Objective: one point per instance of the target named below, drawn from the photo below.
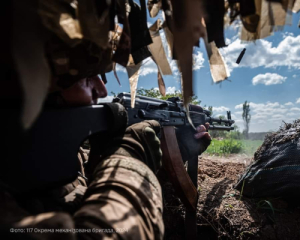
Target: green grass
(250, 146)
(231, 146)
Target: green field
(231, 146)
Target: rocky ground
(223, 213)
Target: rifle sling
(173, 164)
(180, 179)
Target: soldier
(123, 199)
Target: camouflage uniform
(123, 201)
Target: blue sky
(268, 77)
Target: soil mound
(224, 214)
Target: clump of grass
(232, 146)
(224, 147)
(241, 195)
(265, 204)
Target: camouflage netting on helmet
(276, 168)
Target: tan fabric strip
(296, 7)
(157, 50)
(169, 37)
(218, 67)
(133, 75)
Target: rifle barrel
(219, 120)
(212, 127)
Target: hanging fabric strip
(214, 20)
(289, 13)
(248, 15)
(140, 36)
(121, 55)
(157, 49)
(169, 37)
(114, 36)
(253, 35)
(273, 17)
(187, 28)
(296, 7)
(218, 67)
(154, 7)
(278, 13)
(265, 28)
(161, 83)
(115, 73)
(133, 75)
(140, 54)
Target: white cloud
(120, 68)
(148, 66)
(233, 116)
(294, 76)
(238, 122)
(280, 116)
(289, 104)
(268, 79)
(238, 112)
(171, 90)
(268, 116)
(260, 121)
(286, 34)
(198, 60)
(220, 109)
(260, 106)
(292, 114)
(227, 41)
(235, 26)
(262, 53)
(298, 100)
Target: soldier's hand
(192, 144)
(202, 132)
(146, 134)
(140, 141)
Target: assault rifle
(170, 112)
(48, 155)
